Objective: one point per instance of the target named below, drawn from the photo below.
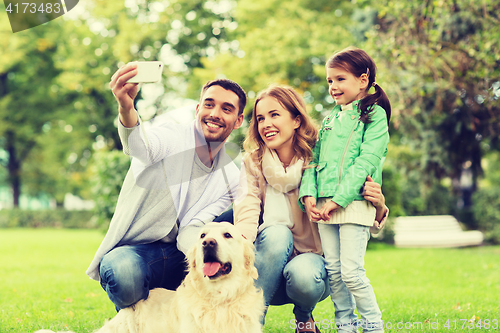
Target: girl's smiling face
(276, 124)
(344, 87)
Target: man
(180, 178)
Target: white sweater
(154, 195)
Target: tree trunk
(14, 168)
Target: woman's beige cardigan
(250, 202)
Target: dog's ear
(249, 257)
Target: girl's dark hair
(358, 62)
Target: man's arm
(188, 235)
(148, 146)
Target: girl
(288, 250)
(352, 146)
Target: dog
(217, 295)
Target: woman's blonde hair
(305, 135)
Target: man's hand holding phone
(147, 72)
(124, 85)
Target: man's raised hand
(125, 93)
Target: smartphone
(147, 71)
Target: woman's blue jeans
(301, 281)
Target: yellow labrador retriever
(218, 294)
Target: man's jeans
(302, 281)
(129, 272)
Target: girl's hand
(311, 210)
(373, 193)
(328, 209)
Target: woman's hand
(373, 193)
(312, 212)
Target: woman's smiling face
(275, 123)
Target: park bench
(433, 231)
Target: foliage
(406, 191)
(55, 103)
(486, 207)
(491, 166)
(180, 33)
(26, 100)
(108, 172)
(391, 187)
(53, 218)
(437, 60)
(47, 113)
(443, 57)
(486, 211)
(284, 42)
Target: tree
(283, 42)
(55, 102)
(444, 60)
(54, 106)
(26, 99)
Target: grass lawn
(43, 285)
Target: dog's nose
(209, 242)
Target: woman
(288, 248)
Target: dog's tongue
(211, 268)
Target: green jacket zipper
(345, 150)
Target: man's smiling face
(217, 113)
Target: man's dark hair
(228, 85)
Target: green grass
(43, 282)
(427, 286)
(43, 285)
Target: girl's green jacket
(346, 152)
